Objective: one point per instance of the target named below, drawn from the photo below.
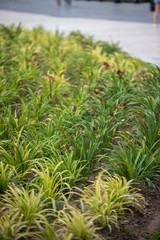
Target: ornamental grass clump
(8, 175)
(76, 224)
(13, 227)
(46, 231)
(108, 199)
(51, 183)
(27, 203)
(19, 154)
(132, 159)
(73, 170)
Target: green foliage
(12, 227)
(7, 176)
(72, 169)
(76, 225)
(47, 232)
(109, 198)
(134, 160)
(51, 182)
(19, 154)
(28, 204)
(69, 105)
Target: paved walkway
(127, 23)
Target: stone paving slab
(126, 23)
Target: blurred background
(127, 22)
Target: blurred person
(156, 12)
(67, 1)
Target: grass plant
(28, 204)
(47, 232)
(52, 183)
(76, 225)
(135, 160)
(109, 198)
(12, 227)
(8, 175)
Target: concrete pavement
(127, 23)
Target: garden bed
(79, 139)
